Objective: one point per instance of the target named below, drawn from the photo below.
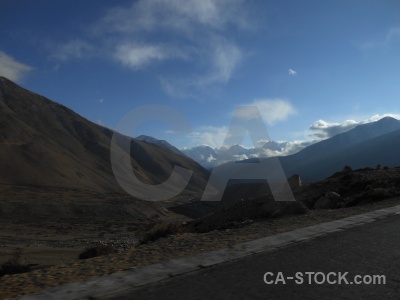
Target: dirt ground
(53, 247)
(49, 226)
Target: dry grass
(15, 265)
(171, 247)
(96, 251)
(162, 230)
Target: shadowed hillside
(364, 146)
(43, 143)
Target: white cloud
(377, 117)
(225, 154)
(210, 158)
(198, 34)
(12, 69)
(293, 147)
(226, 57)
(212, 136)
(183, 16)
(386, 40)
(260, 143)
(237, 157)
(71, 50)
(221, 59)
(392, 35)
(138, 56)
(292, 72)
(178, 87)
(272, 110)
(323, 130)
(287, 148)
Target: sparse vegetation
(162, 230)
(15, 265)
(244, 212)
(97, 250)
(347, 169)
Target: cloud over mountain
(322, 129)
(210, 157)
(12, 69)
(214, 154)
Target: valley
(60, 201)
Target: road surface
(368, 250)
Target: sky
(312, 68)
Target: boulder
(329, 201)
(294, 181)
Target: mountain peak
(6, 81)
(146, 138)
(236, 147)
(387, 120)
(160, 143)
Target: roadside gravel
(173, 246)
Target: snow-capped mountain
(204, 155)
(366, 145)
(209, 157)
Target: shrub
(347, 169)
(15, 265)
(97, 250)
(162, 230)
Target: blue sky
(314, 68)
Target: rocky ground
(343, 189)
(51, 226)
(51, 247)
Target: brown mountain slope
(43, 143)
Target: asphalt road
(368, 250)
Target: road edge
(120, 282)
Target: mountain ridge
(211, 157)
(366, 145)
(161, 143)
(47, 144)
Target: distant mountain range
(210, 158)
(366, 145)
(43, 143)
